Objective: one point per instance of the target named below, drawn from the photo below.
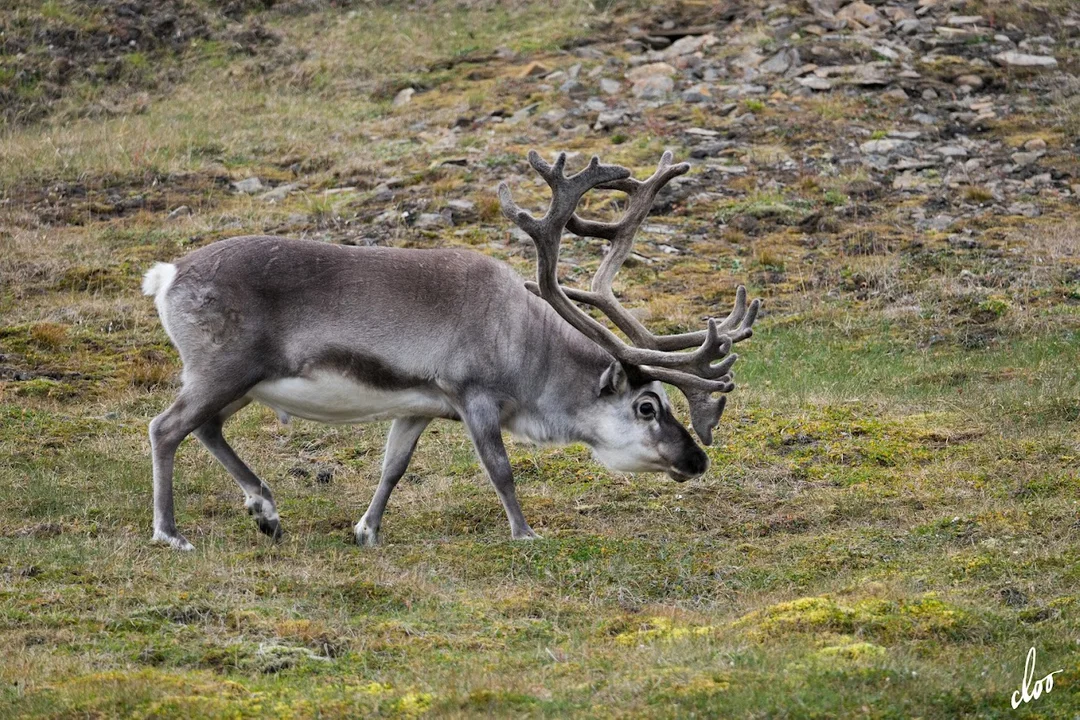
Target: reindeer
(358, 334)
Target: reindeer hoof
(173, 539)
(266, 517)
(366, 536)
(526, 534)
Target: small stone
(279, 193)
(553, 116)
(687, 46)
(248, 186)
(609, 119)
(1030, 210)
(885, 146)
(1011, 58)
(972, 81)
(430, 221)
(1023, 159)
(897, 94)
(533, 69)
(815, 83)
(182, 211)
(659, 69)
(929, 94)
(656, 87)
(779, 63)
(861, 13)
(940, 222)
(609, 86)
(522, 114)
(1035, 145)
(573, 88)
(886, 52)
(924, 119)
(697, 94)
(963, 20)
(908, 26)
(461, 205)
(404, 97)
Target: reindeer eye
(646, 409)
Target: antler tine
(697, 374)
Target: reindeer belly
(334, 398)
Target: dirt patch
(78, 48)
(90, 199)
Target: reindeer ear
(614, 380)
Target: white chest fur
(333, 398)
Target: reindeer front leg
(400, 445)
(481, 417)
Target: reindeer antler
(697, 374)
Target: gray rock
(1011, 58)
(659, 69)
(573, 88)
(697, 94)
(940, 222)
(182, 211)
(781, 62)
(861, 13)
(1026, 209)
(711, 149)
(429, 221)
(553, 116)
(686, 46)
(885, 146)
(815, 83)
(951, 151)
(610, 119)
(972, 81)
(1023, 159)
(461, 205)
(1035, 145)
(522, 114)
(279, 193)
(656, 87)
(248, 186)
(964, 20)
(609, 86)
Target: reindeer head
(656, 441)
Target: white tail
(158, 278)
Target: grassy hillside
(891, 520)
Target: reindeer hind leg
(196, 404)
(259, 501)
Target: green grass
(889, 525)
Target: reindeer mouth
(680, 477)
